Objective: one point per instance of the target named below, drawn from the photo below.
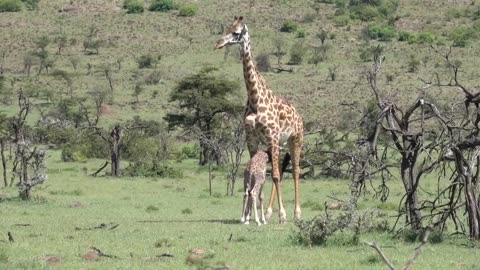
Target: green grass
(183, 216)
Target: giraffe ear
(240, 18)
(235, 18)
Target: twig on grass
(418, 250)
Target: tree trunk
(472, 207)
(409, 179)
(115, 140)
(4, 162)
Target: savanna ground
(173, 216)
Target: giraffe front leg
(270, 203)
(275, 151)
(295, 144)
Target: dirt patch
(52, 260)
(106, 109)
(91, 255)
(409, 24)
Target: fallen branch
(101, 254)
(380, 252)
(100, 169)
(110, 226)
(418, 250)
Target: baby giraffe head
(234, 34)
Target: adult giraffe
(268, 119)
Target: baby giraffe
(254, 178)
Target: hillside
(185, 44)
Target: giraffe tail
(285, 162)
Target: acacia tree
(202, 99)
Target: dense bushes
(187, 10)
(289, 27)
(151, 169)
(381, 32)
(10, 5)
(162, 5)
(133, 6)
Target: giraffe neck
(253, 80)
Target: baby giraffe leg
(263, 220)
(254, 198)
(244, 209)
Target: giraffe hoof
(269, 213)
(297, 214)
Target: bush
(162, 5)
(413, 64)
(296, 54)
(382, 33)
(31, 4)
(460, 36)
(341, 20)
(289, 27)
(10, 5)
(151, 169)
(133, 6)
(309, 17)
(369, 10)
(153, 77)
(301, 33)
(263, 62)
(191, 152)
(73, 153)
(145, 61)
(426, 37)
(405, 36)
(187, 10)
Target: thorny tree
(460, 145)
(406, 128)
(29, 162)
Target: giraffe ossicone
(268, 118)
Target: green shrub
(31, 4)
(289, 26)
(341, 20)
(460, 36)
(151, 169)
(301, 33)
(382, 33)
(134, 6)
(162, 5)
(10, 5)
(426, 37)
(455, 13)
(187, 10)
(190, 151)
(405, 36)
(341, 3)
(73, 153)
(365, 13)
(145, 61)
(297, 52)
(369, 10)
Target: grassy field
(174, 216)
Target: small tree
(279, 49)
(202, 99)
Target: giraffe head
(234, 34)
